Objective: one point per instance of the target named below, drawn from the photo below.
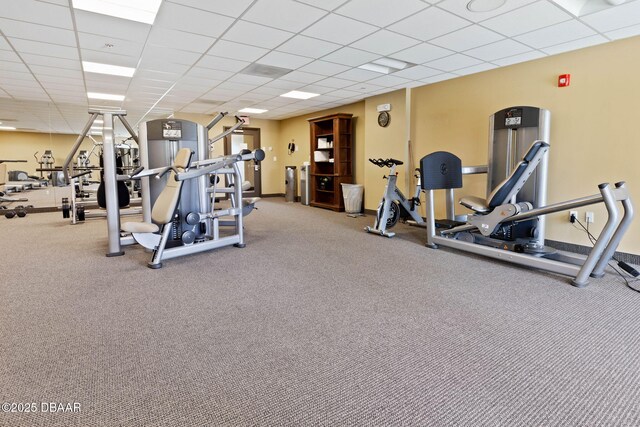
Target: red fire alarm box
(564, 80)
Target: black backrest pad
(440, 170)
(498, 195)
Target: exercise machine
(489, 230)
(195, 230)
(394, 205)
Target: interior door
(246, 138)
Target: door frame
(257, 175)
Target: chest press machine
(203, 225)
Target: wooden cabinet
(331, 159)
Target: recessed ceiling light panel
(252, 111)
(299, 94)
(114, 70)
(106, 96)
(134, 10)
(376, 68)
(7, 128)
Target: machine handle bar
(386, 162)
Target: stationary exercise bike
(394, 205)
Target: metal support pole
(110, 186)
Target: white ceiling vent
(265, 71)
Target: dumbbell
(21, 211)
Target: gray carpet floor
(315, 322)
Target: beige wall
(594, 133)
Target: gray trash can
(352, 194)
(290, 183)
(304, 184)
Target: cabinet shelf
(336, 128)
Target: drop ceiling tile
(416, 73)
(421, 53)
(32, 59)
(284, 60)
(338, 29)
(307, 46)
(324, 4)
(45, 73)
(501, 49)
(574, 45)
(386, 81)
(475, 69)
(99, 43)
(239, 51)
(159, 64)
(440, 77)
(240, 87)
(11, 75)
(156, 75)
(38, 13)
(219, 94)
(283, 14)
(45, 49)
(528, 18)
(222, 64)
(344, 93)
(207, 73)
(623, 33)
(428, 24)
(302, 77)
(252, 97)
(523, 57)
(324, 68)
(104, 25)
(314, 88)
(459, 7)
(335, 82)
(380, 12)
(556, 34)
(174, 16)
(271, 91)
(614, 18)
(453, 62)
(36, 32)
(350, 56)
(467, 38)
(358, 75)
(249, 79)
(179, 40)
(13, 66)
(8, 55)
(109, 58)
(284, 84)
(170, 56)
(384, 42)
(256, 35)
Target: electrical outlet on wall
(589, 217)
